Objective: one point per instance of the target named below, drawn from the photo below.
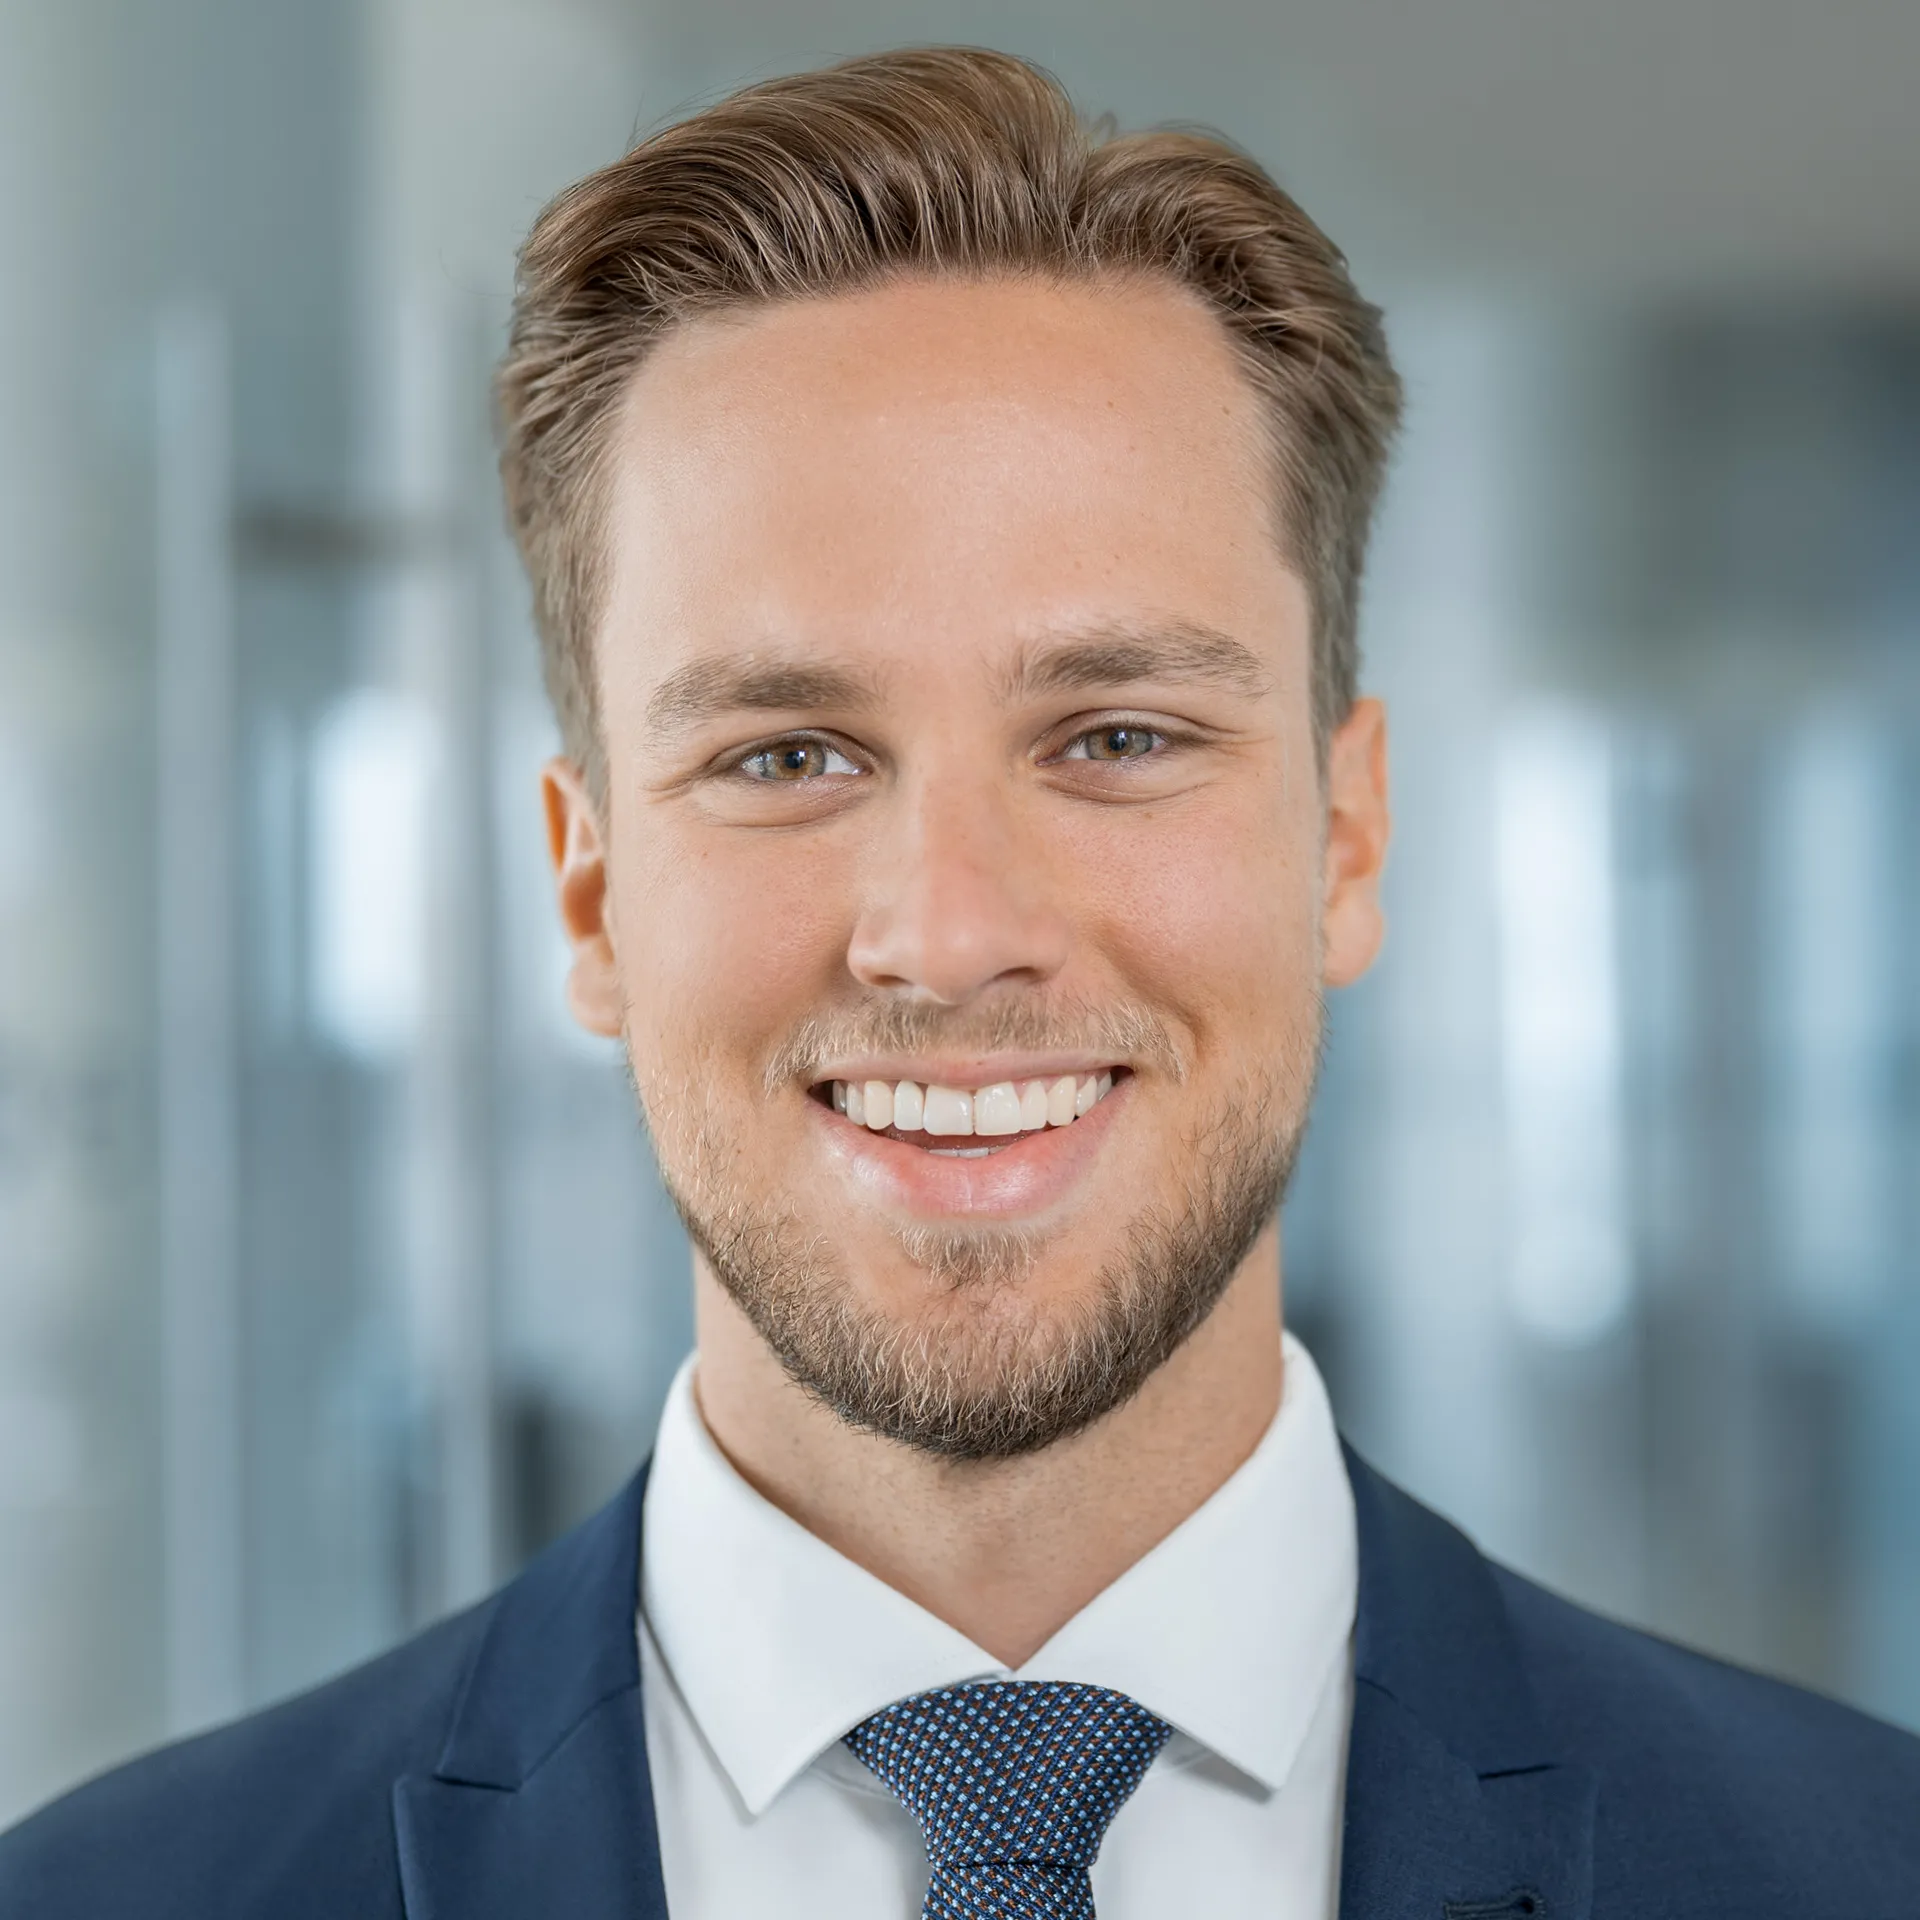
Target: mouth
(965, 1147)
(969, 1123)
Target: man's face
(955, 694)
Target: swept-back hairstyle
(934, 162)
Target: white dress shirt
(760, 1646)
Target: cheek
(1211, 911)
(723, 942)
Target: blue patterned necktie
(1013, 1783)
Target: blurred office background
(334, 1276)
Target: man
(946, 526)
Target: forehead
(935, 473)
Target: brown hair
(940, 161)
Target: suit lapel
(1457, 1806)
(540, 1802)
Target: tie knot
(1011, 1770)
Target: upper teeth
(1007, 1106)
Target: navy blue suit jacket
(1511, 1755)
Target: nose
(959, 900)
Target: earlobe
(577, 846)
(1359, 824)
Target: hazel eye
(791, 762)
(1115, 743)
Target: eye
(791, 762)
(1115, 743)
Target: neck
(1005, 1551)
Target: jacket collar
(1458, 1806)
(540, 1801)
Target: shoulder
(286, 1813)
(1709, 1790)
(1706, 1769)
(289, 1815)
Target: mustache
(1123, 1030)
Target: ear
(577, 847)
(1358, 825)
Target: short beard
(982, 1377)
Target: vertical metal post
(198, 1008)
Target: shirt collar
(1227, 1629)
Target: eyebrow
(707, 689)
(1180, 652)
(1183, 652)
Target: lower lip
(1029, 1174)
